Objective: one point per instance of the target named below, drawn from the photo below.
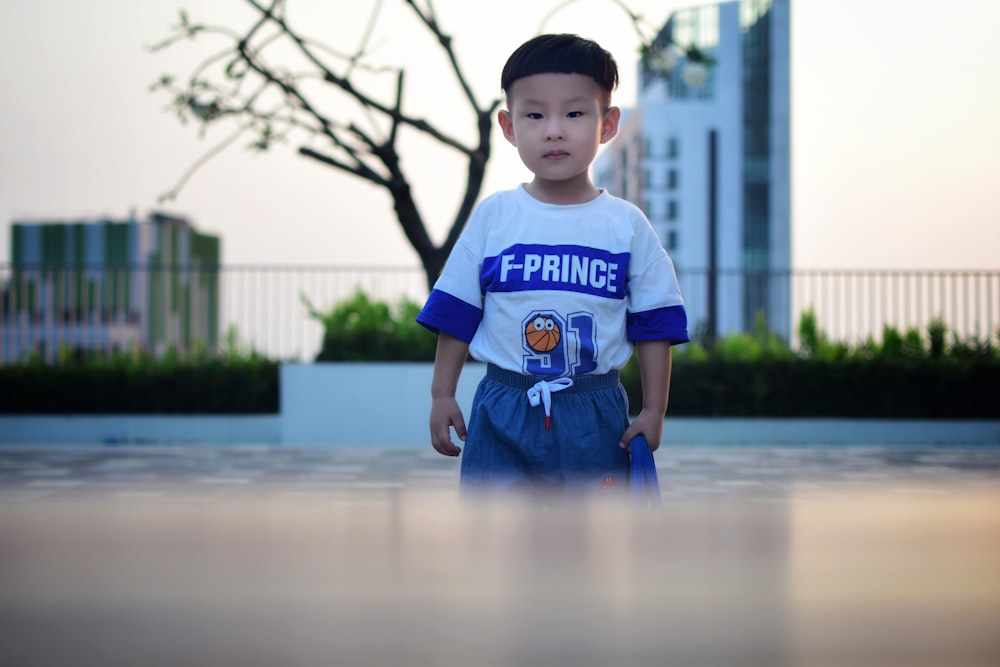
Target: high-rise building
(709, 162)
(105, 286)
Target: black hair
(561, 54)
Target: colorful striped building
(109, 285)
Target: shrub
(359, 329)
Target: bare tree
(251, 83)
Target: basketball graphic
(542, 333)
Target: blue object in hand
(643, 480)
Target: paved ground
(757, 474)
(249, 556)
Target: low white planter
(363, 404)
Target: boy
(551, 283)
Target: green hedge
(904, 375)
(756, 374)
(769, 388)
(207, 387)
(897, 389)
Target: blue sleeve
(444, 312)
(669, 324)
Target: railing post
(713, 239)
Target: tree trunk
(433, 265)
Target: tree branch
(240, 82)
(344, 83)
(445, 42)
(358, 169)
(171, 194)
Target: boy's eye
(574, 114)
(534, 115)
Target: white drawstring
(542, 392)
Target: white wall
(363, 404)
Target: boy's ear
(609, 125)
(507, 125)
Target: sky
(895, 126)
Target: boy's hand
(446, 414)
(649, 424)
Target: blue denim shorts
(508, 445)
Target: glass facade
(755, 22)
(698, 27)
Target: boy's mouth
(556, 155)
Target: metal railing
(46, 309)
(850, 305)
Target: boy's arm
(654, 367)
(445, 412)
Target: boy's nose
(554, 130)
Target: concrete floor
(211, 555)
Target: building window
(672, 147)
(672, 179)
(671, 240)
(672, 209)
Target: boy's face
(557, 122)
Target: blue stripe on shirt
(444, 312)
(569, 268)
(668, 324)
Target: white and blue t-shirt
(556, 290)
